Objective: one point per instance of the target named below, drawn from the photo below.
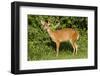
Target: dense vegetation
(40, 45)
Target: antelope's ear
(42, 22)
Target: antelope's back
(66, 34)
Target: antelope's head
(45, 24)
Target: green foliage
(40, 46)
(65, 21)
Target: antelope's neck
(50, 32)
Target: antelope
(62, 35)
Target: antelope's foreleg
(57, 47)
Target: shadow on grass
(66, 46)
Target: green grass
(40, 47)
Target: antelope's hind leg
(76, 46)
(73, 45)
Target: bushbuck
(62, 35)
